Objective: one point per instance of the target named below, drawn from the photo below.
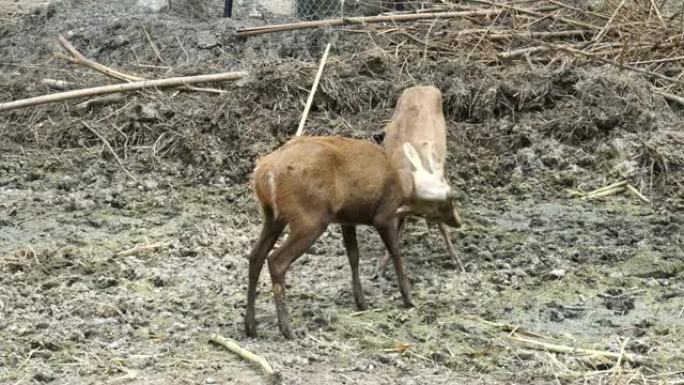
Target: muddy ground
(603, 274)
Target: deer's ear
(413, 157)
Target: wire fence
(324, 9)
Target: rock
(153, 6)
(66, 183)
(149, 112)
(206, 39)
(556, 274)
(626, 168)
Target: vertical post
(228, 8)
(300, 129)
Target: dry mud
(604, 274)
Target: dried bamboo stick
(636, 193)
(245, 354)
(362, 20)
(539, 14)
(80, 59)
(309, 100)
(160, 83)
(556, 348)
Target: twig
(113, 98)
(539, 14)
(528, 50)
(670, 97)
(636, 193)
(154, 46)
(361, 312)
(160, 83)
(362, 20)
(79, 58)
(556, 348)
(60, 85)
(111, 150)
(309, 101)
(247, 355)
(611, 62)
(142, 249)
(599, 36)
(609, 187)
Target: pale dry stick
(361, 312)
(114, 88)
(142, 249)
(609, 187)
(657, 11)
(670, 97)
(663, 60)
(361, 20)
(611, 62)
(604, 193)
(566, 6)
(309, 101)
(106, 99)
(80, 59)
(247, 355)
(528, 50)
(539, 14)
(506, 327)
(636, 193)
(154, 46)
(128, 376)
(187, 57)
(617, 369)
(61, 85)
(564, 349)
(599, 36)
(111, 150)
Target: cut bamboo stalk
(604, 193)
(309, 100)
(611, 186)
(246, 355)
(134, 86)
(362, 20)
(555, 348)
(636, 193)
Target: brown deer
(418, 120)
(310, 182)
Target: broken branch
(555, 348)
(160, 83)
(247, 355)
(362, 20)
(309, 101)
(79, 58)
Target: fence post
(228, 8)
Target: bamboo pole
(231, 345)
(309, 101)
(160, 83)
(362, 20)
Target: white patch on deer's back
(271, 181)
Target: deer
(312, 181)
(418, 120)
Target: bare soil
(603, 274)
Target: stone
(206, 39)
(153, 6)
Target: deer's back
(345, 179)
(418, 119)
